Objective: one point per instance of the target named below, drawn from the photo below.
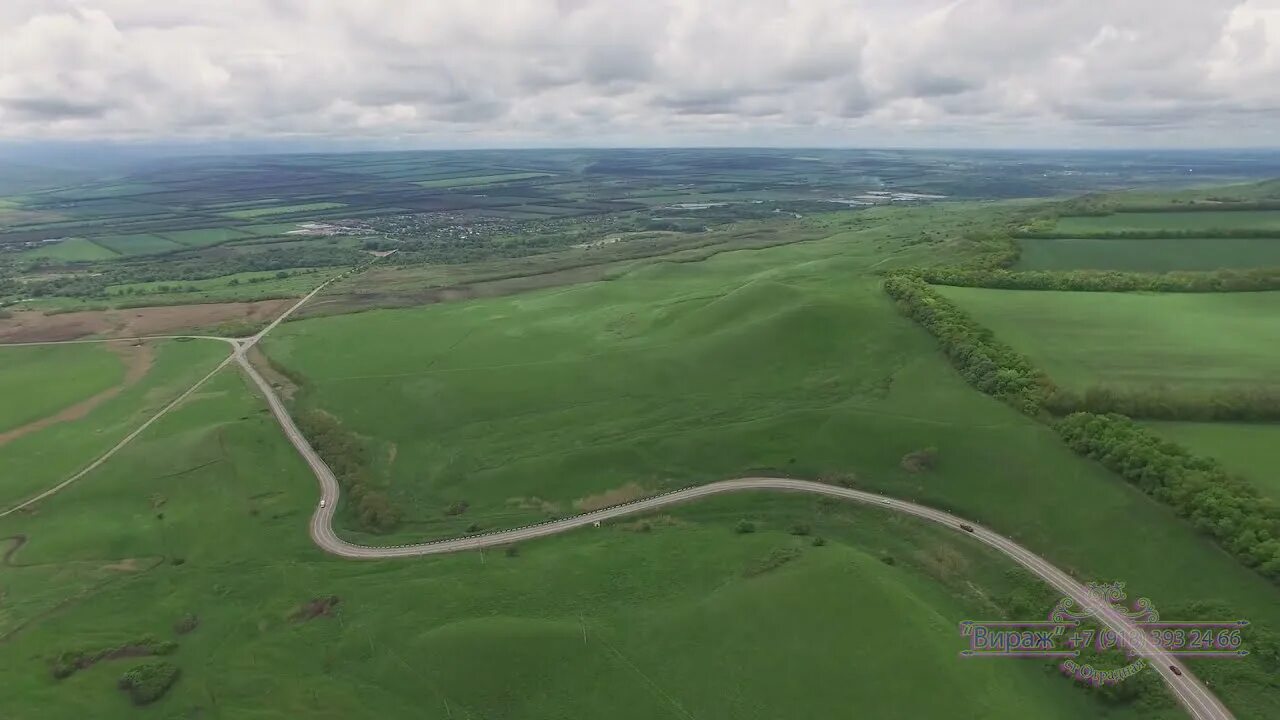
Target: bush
(744, 527)
(920, 460)
(67, 663)
(186, 624)
(149, 682)
(800, 529)
(818, 541)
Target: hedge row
(348, 458)
(1105, 280)
(1255, 405)
(984, 362)
(1232, 511)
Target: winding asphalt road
(1189, 691)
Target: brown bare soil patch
(319, 607)
(125, 565)
(284, 387)
(33, 326)
(137, 361)
(609, 498)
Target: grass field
(253, 213)
(41, 459)
(205, 236)
(71, 250)
(81, 370)
(686, 620)
(1252, 451)
(1162, 255)
(475, 180)
(137, 244)
(1182, 341)
(679, 373)
(1181, 221)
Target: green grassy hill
(206, 516)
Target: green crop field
(1183, 341)
(605, 622)
(252, 213)
(205, 236)
(81, 370)
(1180, 221)
(71, 250)
(137, 244)
(39, 460)
(1145, 255)
(1249, 450)
(474, 180)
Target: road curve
(1189, 691)
(239, 347)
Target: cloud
(456, 72)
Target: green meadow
(81, 371)
(1148, 255)
(205, 516)
(71, 250)
(786, 361)
(1182, 341)
(38, 460)
(137, 244)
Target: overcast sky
(468, 73)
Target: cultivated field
(1179, 221)
(1178, 341)
(1148, 255)
(1252, 451)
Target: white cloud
(850, 72)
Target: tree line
(1249, 405)
(1242, 521)
(1104, 280)
(984, 362)
(348, 458)
(1040, 232)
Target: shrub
(149, 682)
(744, 527)
(186, 624)
(800, 529)
(818, 541)
(920, 460)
